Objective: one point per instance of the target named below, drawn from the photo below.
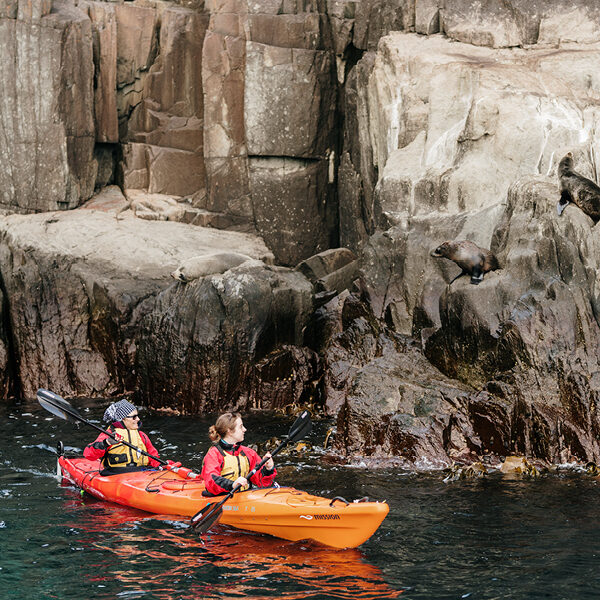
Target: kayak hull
(283, 512)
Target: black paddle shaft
(204, 519)
(62, 405)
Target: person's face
(132, 421)
(236, 434)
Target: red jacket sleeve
(261, 478)
(150, 449)
(211, 472)
(92, 452)
(213, 465)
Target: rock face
(162, 123)
(521, 23)
(270, 108)
(344, 138)
(7, 366)
(523, 344)
(198, 344)
(449, 137)
(80, 283)
(46, 100)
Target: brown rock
(376, 18)
(339, 280)
(136, 47)
(288, 199)
(104, 23)
(172, 171)
(287, 31)
(324, 263)
(46, 152)
(289, 101)
(170, 116)
(228, 187)
(81, 282)
(357, 176)
(199, 343)
(8, 9)
(427, 16)
(32, 11)
(521, 22)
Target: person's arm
(150, 449)
(263, 478)
(97, 449)
(211, 473)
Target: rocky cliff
(135, 136)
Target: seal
(577, 189)
(472, 259)
(208, 264)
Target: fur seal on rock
(208, 264)
(472, 259)
(577, 189)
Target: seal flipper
(565, 198)
(459, 275)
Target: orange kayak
(283, 512)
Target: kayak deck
(283, 512)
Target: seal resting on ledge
(577, 189)
(208, 264)
(472, 259)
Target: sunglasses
(133, 417)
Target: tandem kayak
(283, 512)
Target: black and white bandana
(118, 411)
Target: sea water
(489, 538)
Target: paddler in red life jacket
(116, 457)
(227, 463)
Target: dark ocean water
(490, 538)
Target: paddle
(61, 408)
(204, 519)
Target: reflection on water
(225, 563)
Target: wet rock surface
(523, 344)
(80, 283)
(221, 340)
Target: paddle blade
(301, 427)
(203, 520)
(57, 406)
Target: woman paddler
(116, 457)
(228, 463)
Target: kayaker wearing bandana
(116, 457)
(227, 463)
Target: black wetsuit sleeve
(223, 482)
(98, 445)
